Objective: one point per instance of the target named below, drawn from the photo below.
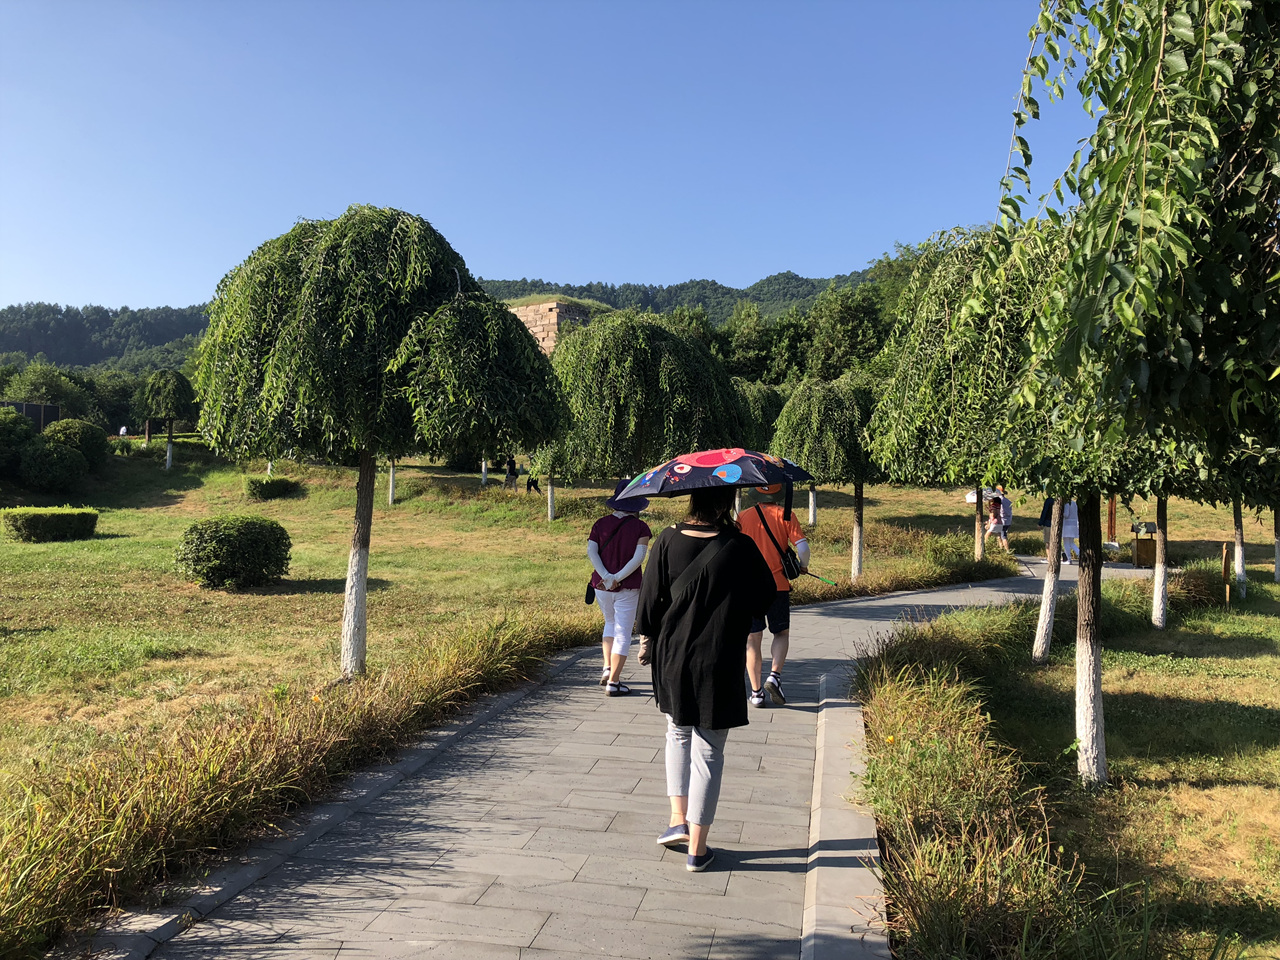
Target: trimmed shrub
(16, 431)
(124, 446)
(234, 551)
(48, 524)
(270, 488)
(51, 466)
(91, 441)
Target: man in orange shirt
(759, 523)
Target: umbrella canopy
(728, 467)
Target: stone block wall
(546, 320)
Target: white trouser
(619, 611)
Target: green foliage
(45, 383)
(475, 378)
(83, 336)
(16, 430)
(890, 275)
(168, 395)
(847, 330)
(639, 392)
(234, 551)
(113, 393)
(792, 333)
(821, 428)
(91, 441)
(760, 404)
(745, 342)
(298, 357)
(1164, 315)
(48, 524)
(51, 466)
(595, 307)
(271, 488)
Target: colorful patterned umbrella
(729, 467)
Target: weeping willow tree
(168, 395)
(638, 392)
(361, 338)
(760, 404)
(822, 427)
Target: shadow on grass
(318, 585)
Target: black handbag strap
(772, 539)
(700, 562)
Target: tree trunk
(1160, 579)
(168, 450)
(353, 608)
(270, 467)
(551, 498)
(1049, 595)
(855, 566)
(146, 439)
(979, 529)
(484, 473)
(737, 502)
(391, 484)
(1275, 520)
(1091, 760)
(1237, 514)
(813, 505)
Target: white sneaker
(757, 698)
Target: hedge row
(47, 524)
(270, 488)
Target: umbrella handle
(823, 579)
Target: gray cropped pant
(695, 765)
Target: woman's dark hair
(713, 505)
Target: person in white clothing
(616, 548)
(1070, 531)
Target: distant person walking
(1006, 515)
(1046, 520)
(995, 521)
(509, 481)
(616, 548)
(705, 583)
(773, 535)
(1070, 531)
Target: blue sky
(147, 148)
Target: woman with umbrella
(705, 582)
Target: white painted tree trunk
(1275, 513)
(813, 506)
(271, 468)
(1160, 579)
(484, 473)
(1237, 514)
(354, 635)
(168, 450)
(855, 560)
(979, 529)
(1091, 758)
(551, 498)
(737, 503)
(391, 484)
(1049, 595)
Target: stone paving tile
(588, 900)
(459, 921)
(414, 949)
(651, 824)
(628, 938)
(776, 917)
(649, 873)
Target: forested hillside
(151, 337)
(773, 295)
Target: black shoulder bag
(790, 562)
(590, 597)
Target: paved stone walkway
(532, 835)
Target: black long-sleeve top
(698, 641)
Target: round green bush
(48, 524)
(16, 431)
(91, 441)
(234, 551)
(270, 488)
(51, 466)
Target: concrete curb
(844, 912)
(135, 935)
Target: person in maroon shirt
(616, 548)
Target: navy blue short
(778, 614)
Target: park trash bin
(1144, 544)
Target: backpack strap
(700, 562)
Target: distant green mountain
(774, 295)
